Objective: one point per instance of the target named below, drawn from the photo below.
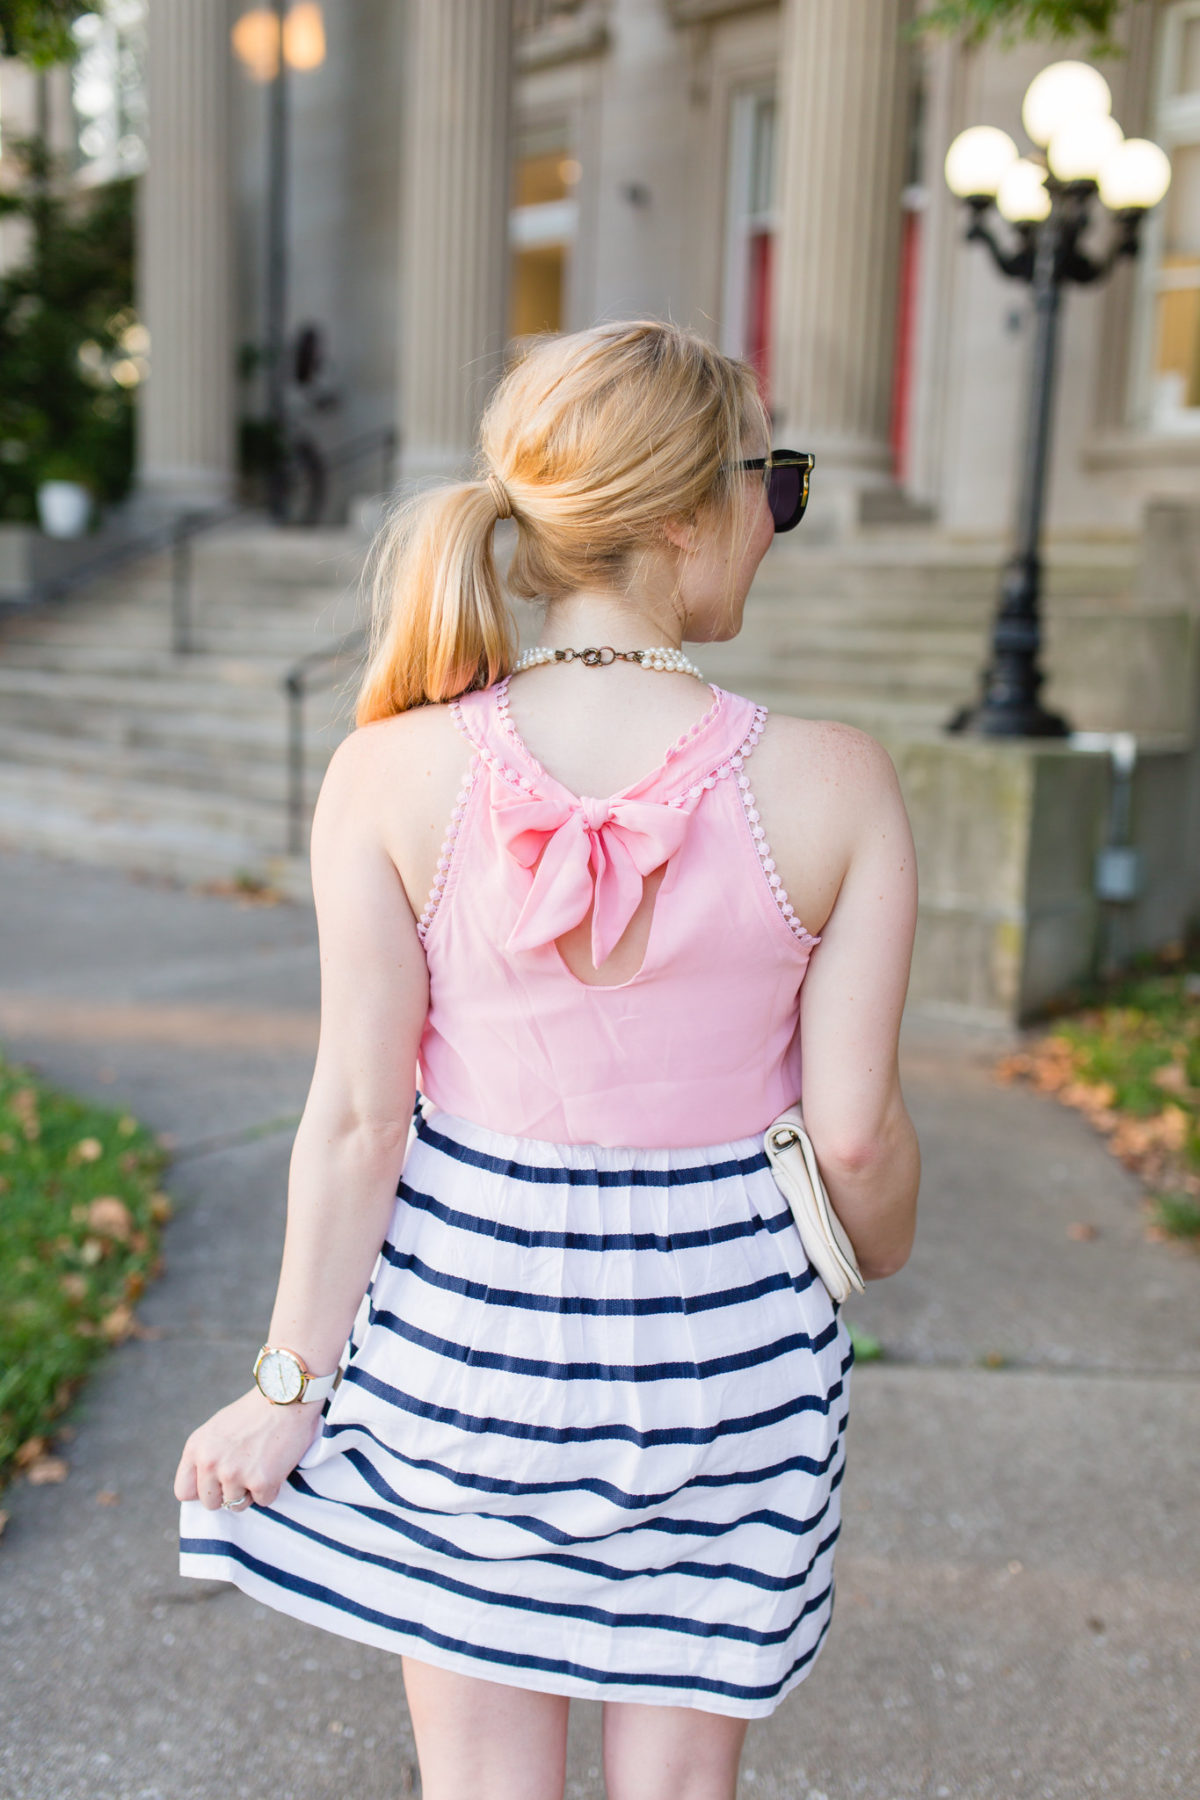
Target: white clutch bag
(794, 1165)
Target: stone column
(186, 409)
(844, 95)
(454, 228)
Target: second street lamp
(1047, 199)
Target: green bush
(72, 349)
(80, 1219)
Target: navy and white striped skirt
(589, 1437)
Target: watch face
(280, 1377)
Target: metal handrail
(175, 534)
(312, 671)
(316, 668)
(172, 535)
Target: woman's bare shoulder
(820, 785)
(828, 753)
(417, 743)
(400, 776)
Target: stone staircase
(113, 750)
(892, 634)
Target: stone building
(462, 172)
(767, 170)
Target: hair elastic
(500, 495)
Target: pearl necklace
(599, 656)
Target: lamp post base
(988, 719)
(1009, 704)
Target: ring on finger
(238, 1505)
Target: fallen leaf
(1081, 1231)
(1154, 1234)
(3, 1522)
(24, 1104)
(107, 1497)
(109, 1216)
(1172, 1076)
(1089, 1096)
(29, 1451)
(1173, 1124)
(160, 1208)
(117, 1324)
(45, 1470)
(147, 1333)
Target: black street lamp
(1047, 198)
(271, 41)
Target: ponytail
(590, 441)
(440, 624)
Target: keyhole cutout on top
(627, 958)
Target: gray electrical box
(1118, 872)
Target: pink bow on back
(590, 850)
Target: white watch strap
(318, 1388)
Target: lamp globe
(1135, 177)
(1061, 92)
(1023, 198)
(976, 161)
(1079, 149)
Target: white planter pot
(64, 508)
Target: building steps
(115, 750)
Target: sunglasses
(787, 473)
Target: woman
(589, 1435)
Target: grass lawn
(1127, 1053)
(80, 1214)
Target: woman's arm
(350, 1143)
(850, 1010)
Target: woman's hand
(245, 1452)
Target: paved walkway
(1019, 1572)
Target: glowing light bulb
(1060, 93)
(1079, 150)
(976, 161)
(1137, 174)
(1022, 198)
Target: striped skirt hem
(590, 1434)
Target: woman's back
(700, 1036)
(725, 964)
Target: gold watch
(282, 1377)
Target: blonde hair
(591, 441)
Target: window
(108, 91)
(543, 224)
(750, 232)
(1171, 307)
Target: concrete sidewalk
(1018, 1609)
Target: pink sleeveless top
(701, 1045)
